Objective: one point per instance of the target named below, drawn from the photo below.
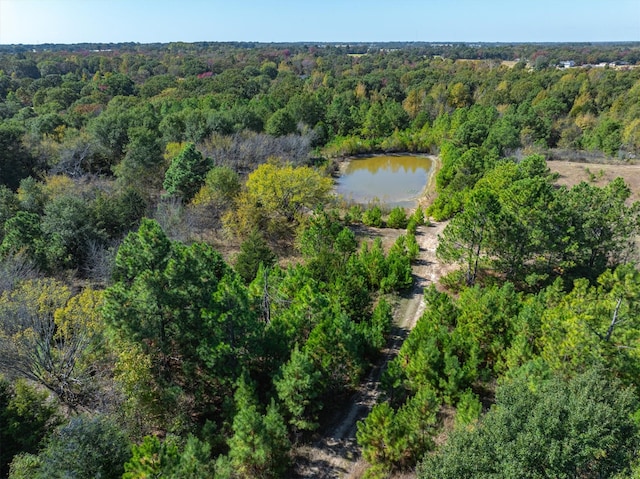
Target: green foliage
(22, 233)
(115, 215)
(31, 195)
(412, 226)
(205, 317)
(182, 327)
(418, 216)
(187, 173)
(275, 198)
(49, 337)
(372, 217)
(221, 186)
(119, 84)
(354, 215)
(377, 329)
(259, 445)
(336, 346)
(373, 261)
(147, 249)
(152, 458)
(15, 162)
(603, 226)
(352, 290)
(298, 386)
(326, 245)
(57, 227)
(280, 123)
(594, 325)
(517, 223)
(292, 303)
(468, 409)
(607, 136)
(67, 232)
(456, 344)
(467, 235)
(8, 205)
(25, 466)
(392, 440)
(413, 249)
(254, 251)
(26, 418)
(86, 447)
(376, 435)
(398, 267)
(284, 191)
(195, 460)
(397, 218)
(143, 164)
(462, 167)
(155, 458)
(579, 428)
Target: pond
(394, 180)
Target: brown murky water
(394, 180)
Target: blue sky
(146, 21)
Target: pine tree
(253, 251)
(186, 174)
(259, 445)
(298, 388)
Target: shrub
(413, 249)
(86, 447)
(397, 218)
(412, 226)
(373, 217)
(418, 216)
(354, 215)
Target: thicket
(125, 173)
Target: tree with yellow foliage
(275, 198)
(47, 335)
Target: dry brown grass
(572, 173)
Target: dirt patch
(571, 173)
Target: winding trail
(336, 454)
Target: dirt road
(336, 454)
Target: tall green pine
(259, 445)
(298, 388)
(186, 173)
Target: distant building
(567, 64)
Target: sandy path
(336, 454)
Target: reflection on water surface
(393, 179)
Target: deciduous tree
(47, 335)
(277, 196)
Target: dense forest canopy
(177, 280)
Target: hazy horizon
(36, 22)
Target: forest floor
(336, 454)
